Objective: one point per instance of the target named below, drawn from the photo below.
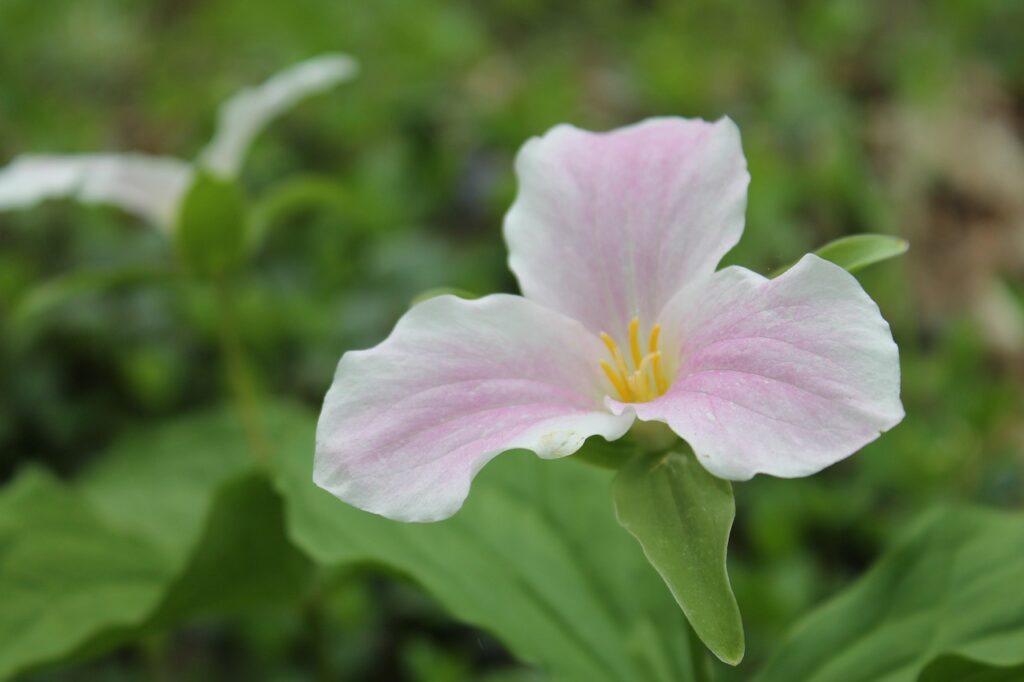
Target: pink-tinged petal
(406, 425)
(150, 187)
(246, 114)
(608, 226)
(782, 376)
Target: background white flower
(152, 187)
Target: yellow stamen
(652, 345)
(610, 342)
(643, 379)
(620, 386)
(659, 378)
(613, 348)
(634, 387)
(642, 392)
(634, 343)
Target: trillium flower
(153, 187)
(615, 238)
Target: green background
(904, 118)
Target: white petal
(783, 376)
(243, 116)
(148, 186)
(608, 226)
(406, 425)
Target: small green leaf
(300, 194)
(858, 251)
(211, 228)
(444, 291)
(952, 586)
(682, 515)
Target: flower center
(641, 376)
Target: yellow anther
(643, 379)
(652, 345)
(610, 342)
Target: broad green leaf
(243, 559)
(171, 521)
(682, 515)
(159, 483)
(211, 226)
(858, 251)
(192, 488)
(952, 586)
(65, 573)
(514, 675)
(960, 669)
(535, 557)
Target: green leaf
(952, 586)
(858, 251)
(535, 557)
(172, 521)
(65, 573)
(192, 488)
(299, 194)
(159, 483)
(211, 227)
(244, 558)
(960, 669)
(601, 453)
(67, 287)
(443, 291)
(682, 515)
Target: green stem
(239, 375)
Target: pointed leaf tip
(857, 252)
(682, 515)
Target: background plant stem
(239, 374)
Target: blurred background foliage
(898, 117)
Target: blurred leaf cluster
(178, 522)
(896, 117)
